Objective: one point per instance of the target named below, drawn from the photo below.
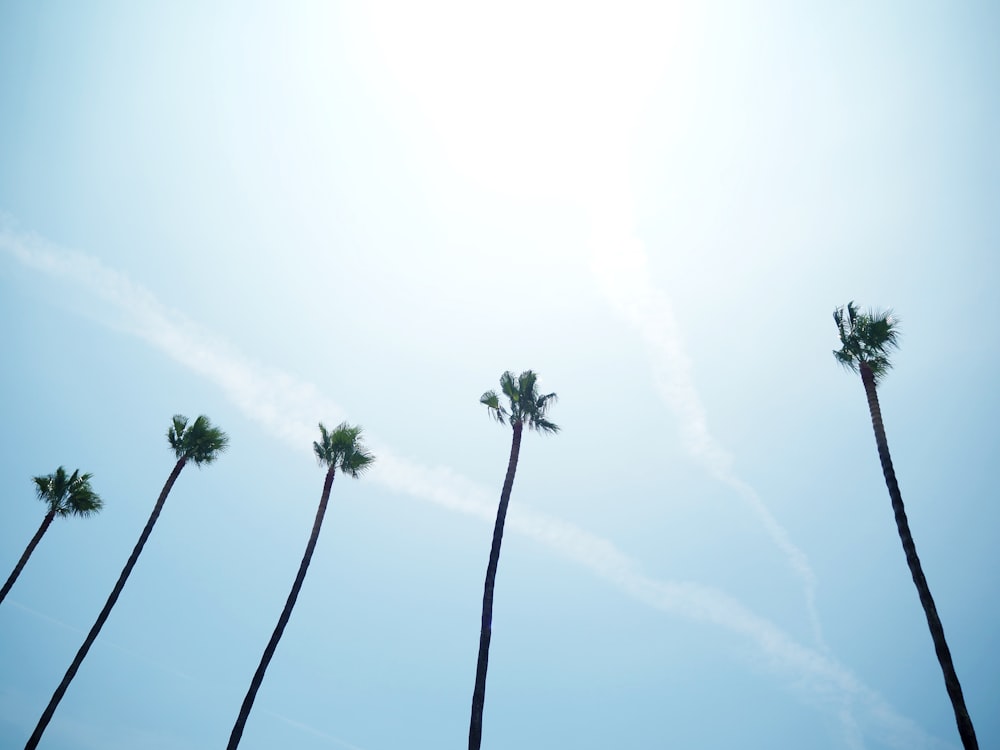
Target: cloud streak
(288, 408)
(620, 265)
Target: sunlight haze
(280, 215)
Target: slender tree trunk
(108, 606)
(479, 692)
(27, 553)
(951, 682)
(286, 613)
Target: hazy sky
(280, 214)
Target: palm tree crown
(200, 442)
(63, 496)
(68, 495)
(527, 406)
(342, 449)
(866, 339)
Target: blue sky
(281, 215)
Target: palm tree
(64, 496)
(866, 341)
(200, 443)
(527, 407)
(341, 449)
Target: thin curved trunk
(108, 606)
(286, 613)
(951, 682)
(479, 692)
(27, 553)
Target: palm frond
(204, 442)
(199, 441)
(357, 462)
(496, 409)
(852, 313)
(322, 448)
(51, 488)
(508, 386)
(540, 424)
(175, 434)
(70, 495)
(866, 339)
(345, 438)
(543, 402)
(82, 500)
(527, 406)
(342, 449)
(847, 360)
(879, 366)
(45, 485)
(526, 383)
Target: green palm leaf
(200, 442)
(68, 495)
(63, 496)
(343, 449)
(866, 339)
(526, 405)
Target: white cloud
(620, 265)
(288, 408)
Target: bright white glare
(536, 99)
(541, 100)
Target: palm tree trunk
(27, 553)
(486, 629)
(951, 682)
(286, 613)
(103, 616)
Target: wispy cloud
(289, 409)
(620, 264)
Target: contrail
(573, 147)
(620, 264)
(289, 409)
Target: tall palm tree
(866, 340)
(65, 496)
(526, 407)
(341, 449)
(199, 443)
